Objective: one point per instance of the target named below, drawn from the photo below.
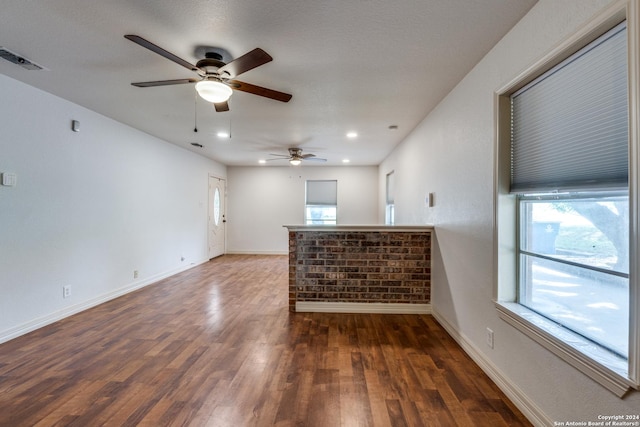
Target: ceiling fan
(216, 78)
(296, 157)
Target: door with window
(217, 219)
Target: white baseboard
(257, 252)
(350, 307)
(40, 322)
(530, 410)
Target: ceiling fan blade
(221, 106)
(246, 62)
(258, 90)
(315, 159)
(160, 51)
(284, 156)
(164, 82)
(307, 156)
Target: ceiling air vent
(18, 60)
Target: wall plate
(9, 179)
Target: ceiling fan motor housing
(211, 65)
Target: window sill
(604, 367)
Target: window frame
(322, 204)
(524, 249)
(389, 212)
(617, 375)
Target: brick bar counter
(360, 268)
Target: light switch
(9, 179)
(430, 199)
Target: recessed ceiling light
(352, 135)
(223, 134)
(345, 160)
(262, 161)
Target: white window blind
(323, 192)
(390, 188)
(569, 127)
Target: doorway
(217, 217)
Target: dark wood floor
(216, 346)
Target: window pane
(216, 206)
(390, 215)
(591, 231)
(591, 303)
(574, 264)
(320, 214)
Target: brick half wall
(359, 267)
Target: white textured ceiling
(351, 65)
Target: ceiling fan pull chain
(195, 113)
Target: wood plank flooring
(217, 346)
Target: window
(562, 181)
(321, 202)
(389, 215)
(569, 141)
(574, 264)
(216, 206)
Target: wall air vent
(18, 60)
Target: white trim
(359, 307)
(373, 227)
(530, 410)
(40, 322)
(210, 214)
(603, 367)
(633, 32)
(607, 19)
(257, 252)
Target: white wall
(451, 154)
(89, 208)
(262, 199)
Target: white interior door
(217, 221)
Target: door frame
(210, 214)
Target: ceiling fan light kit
(295, 162)
(213, 91)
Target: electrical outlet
(489, 338)
(66, 291)
(135, 274)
